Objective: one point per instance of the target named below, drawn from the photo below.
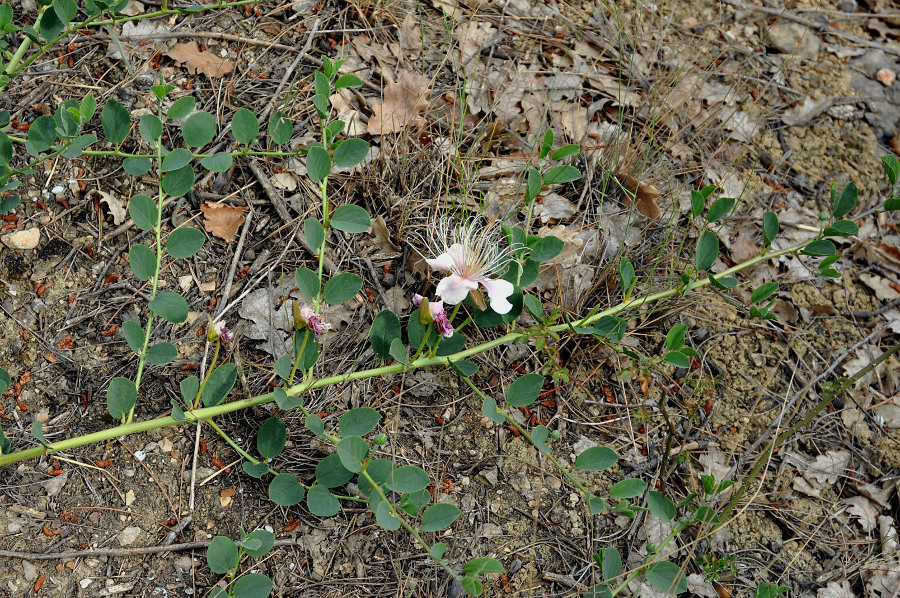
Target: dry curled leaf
(383, 235)
(644, 194)
(222, 220)
(195, 61)
(402, 103)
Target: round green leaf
(143, 212)
(116, 122)
(351, 152)
(465, 368)
(667, 577)
(561, 174)
(409, 478)
(255, 470)
(596, 505)
(286, 490)
(5, 380)
(439, 516)
(353, 450)
(675, 337)
(314, 233)
(199, 129)
(707, 250)
(161, 353)
(318, 163)
(120, 397)
(822, 247)
(218, 162)
(628, 488)
(280, 128)
(142, 261)
(252, 585)
(176, 159)
(342, 288)
(222, 555)
(359, 421)
(490, 410)
(321, 502)
(134, 335)
(219, 384)
(483, 565)
(385, 328)
(845, 201)
(181, 108)
(184, 242)
(307, 282)
(266, 543)
(351, 219)
(565, 151)
(330, 473)
(661, 506)
(244, 126)
(546, 249)
(539, 437)
(271, 438)
(5, 146)
(720, 208)
(314, 424)
(596, 458)
(347, 81)
(189, 388)
(842, 228)
(137, 166)
(770, 227)
(763, 292)
(678, 359)
(150, 127)
(472, 586)
(525, 390)
(42, 133)
(178, 182)
(170, 306)
(610, 563)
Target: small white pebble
(269, 529)
(57, 189)
(140, 455)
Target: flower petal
(453, 289)
(499, 291)
(447, 261)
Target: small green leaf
(150, 127)
(286, 490)
(351, 219)
(120, 397)
(219, 384)
(546, 249)
(170, 306)
(280, 128)
(720, 208)
(845, 201)
(353, 450)
(439, 516)
(199, 129)
(307, 282)
(178, 182)
(490, 410)
(841, 228)
(533, 185)
(546, 143)
(707, 250)
(610, 562)
(330, 473)
(255, 470)
(539, 437)
(667, 577)
(6, 151)
(533, 305)
(189, 387)
(314, 233)
(891, 167)
(161, 353)
(314, 424)
(359, 421)
(626, 274)
(116, 122)
(763, 292)
(244, 126)
(561, 174)
(137, 166)
(822, 247)
(596, 505)
(271, 438)
(596, 458)
(143, 211)
(176, 159)
(398, 351)
(675, 337)
(318, 164)
(525, 390)
(266, 543)
(321, 502)
(218, 162)
(565, 151)
(409, 478)
(678, 359)
(661, 506)
(42, 133)
(284, 401)
(351, 152)
(142, 261)
(9, 203)
(184, 242)
(628, 488)
(342, 288)
(347, 81)
(698, 202)
(134, 335)
(483, 565)
(770, 227)
(181, 108)
(385, 329)
(222, 555)
(472, 586)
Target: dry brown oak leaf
(221, 220)
(195, 61)
(402, 103)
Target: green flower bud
(380, 439)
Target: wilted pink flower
(313, 322)
(218, 331)
(471, 253)
(441, 319)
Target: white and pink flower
(471, 253)
(218, 331)
(313, 321)
(438, 315)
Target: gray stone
(793, 38)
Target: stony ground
(771, 102)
